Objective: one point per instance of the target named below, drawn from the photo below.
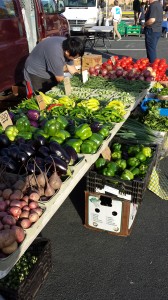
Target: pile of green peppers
(127, 162)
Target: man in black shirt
(136, 9)
(153, 28)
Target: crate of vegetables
(133, 30)
(160, 105)
(127, 173)
(29, 273)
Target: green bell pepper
(51, 127)
(108, 172)
(121, 164)
(104, 131)
(112, 166)
(140, 156)
(25, 135)
(100, 162)
(83, 131)
(23, 124)
(63, 134)
(133, 162)
(116, 147)
(147, 151)
(11, 132)
(89, 147)
(56, 139)
(63, 121)
(75, 143)
(143, 169)
(97, 138)
(1, 129)
(134, 149)
(127, 175)
(40, 132)
(135, 171)
(116, 155)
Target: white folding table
(96, 33)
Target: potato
(8, 220)
(3, 205)
(33, 204)
(24, 214)
(25, 223)
(17, 195)
(7, 237)
(19, 233)
(15, 211)
(16, 203)
(33, 217)
(11, 248)
(6, 193)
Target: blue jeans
(151, 40)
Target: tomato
(109, 62)
(116, 57)
(104, 65)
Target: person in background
(136, 9)
(44, 65)
(101, 7)
(165, 8)
(146, 6)
(153, 28)
(116, 13)
(142, 14)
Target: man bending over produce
(44, 66)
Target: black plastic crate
(29, 287)
(96, 182)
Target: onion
(91, 70)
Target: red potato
(11, 248)
(19, 233)
(8, 220)
(7, 202)
(26, 207)
(38, 210)
(34, 196)
(15, 211)
(3, 205)
(6, 193)
(16, 203)
(24, 214)
(23, 203)
(33, 204)
(33, 217)
(25, 198)
(17, 195)
(7, 237)
(1, 225)
(25, 223)
(2, 214)
(6, 226)
(19, 185)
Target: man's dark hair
(74, 46)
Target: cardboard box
(109, 213)
(91, 60)
(77, 64)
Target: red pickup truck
(23, 23)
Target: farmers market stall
(103, 102)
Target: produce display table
(57, 200)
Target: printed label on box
(104, 217)
(133, 212)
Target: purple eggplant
(72, 153)
(34, 123)
(4, 141)
(27, 149)
(22, 157)
(95, 126)
(61, 165)
(33, 114)
(59, 151)
(43, 151)
(40, 141)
